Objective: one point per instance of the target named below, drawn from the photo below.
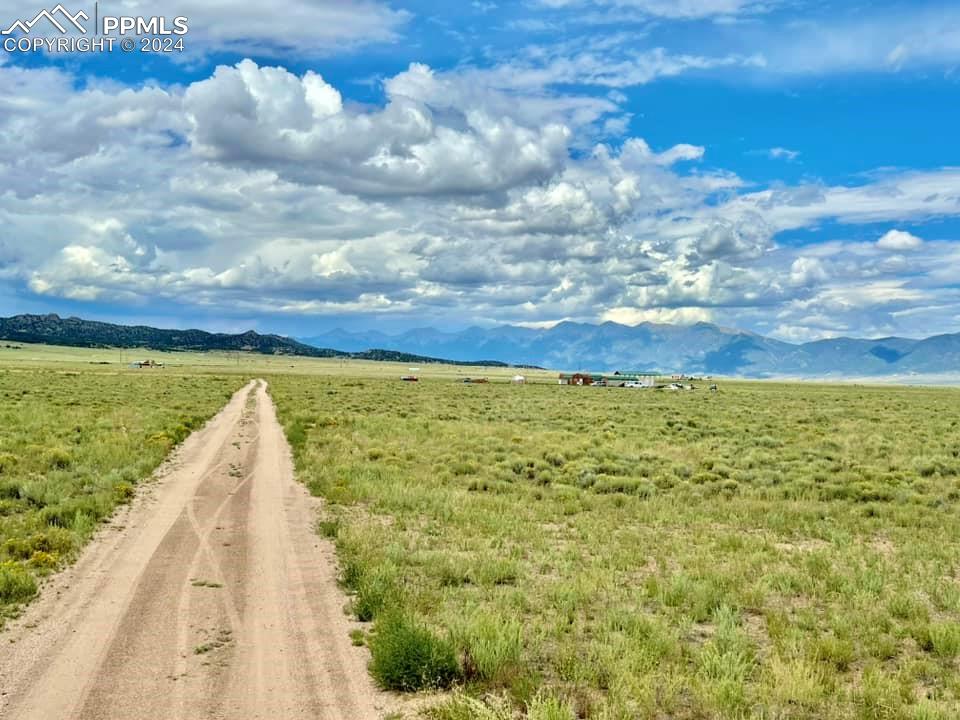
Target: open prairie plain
(767, 551)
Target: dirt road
(210, 597)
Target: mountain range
(76, 332)
(702, 348)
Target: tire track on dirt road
(211, 596)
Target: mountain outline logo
(25, 26)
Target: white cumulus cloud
(673, 316)
(259, 192)
(899, 240)
(299, 128)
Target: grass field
(79, 428)
(27, 356)
(768, 551)
(72, 446)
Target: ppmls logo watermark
(61, 31)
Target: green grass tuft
(16, 583)
(408, 657)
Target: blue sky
(790, 168)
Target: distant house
(617, 379)
(579, 379)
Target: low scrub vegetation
(770, 551)
(73, 446)
(408, 656)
